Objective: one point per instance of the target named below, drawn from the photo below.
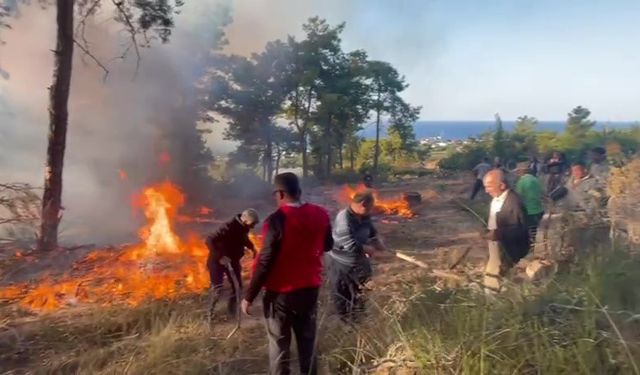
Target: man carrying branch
(355, 241)
(507, 236)
(226, 247)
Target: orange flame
(397, 206)
(162, 266)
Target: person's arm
(520, 188)
(328, 239)
(272, 233)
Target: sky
(470, 59)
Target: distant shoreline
(457, 130)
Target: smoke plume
(134, 128)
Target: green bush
(465, 159)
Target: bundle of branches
(624, 205)
(19, 213)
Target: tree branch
(126, 17)
(88, 53)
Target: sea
(455, 130)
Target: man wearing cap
(530, 191)
(479, 171)
(289, 267)
(355, 240)
(226, 247)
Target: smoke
(120, 130)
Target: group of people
(515, 214)
(300, 249)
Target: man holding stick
(508, 235)
(226, 247)
(289, 267)
(355, 240)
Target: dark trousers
(477, 187)
(217, 273)
(533, 222)
(287, 312)
(346, 288)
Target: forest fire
(163, 265)
(398, 206)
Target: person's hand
(369, 251)
(246, 307)
(225, 260)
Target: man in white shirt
(507, 237)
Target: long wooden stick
(437, 273)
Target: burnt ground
(437, 235)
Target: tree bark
(58, 122)
(268, 155)
(351, 158)
(376, 155)
(278, 156)
(305, 154)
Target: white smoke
(113, 124)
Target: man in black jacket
(507, 237)
(226, 247)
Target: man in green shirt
(530, 191)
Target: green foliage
(466, 157)
(577, 139)
(324, 93)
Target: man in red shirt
(289, 267)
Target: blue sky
(466, 60)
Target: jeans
(286, 312)
(346, 283)
(217, 272)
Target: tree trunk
(376, 155)
(351, 157)
(58, 121)
(268, 155)
(340, 156)
(278, 156)
(305, 155)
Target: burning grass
(584, 323)
(164, 265)
(387, 206)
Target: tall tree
(499, 139)
(137, 17)
(249, 93)
(402, 138)
(385, 83)
(578, 122)
(524, 136)
(312, 57)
